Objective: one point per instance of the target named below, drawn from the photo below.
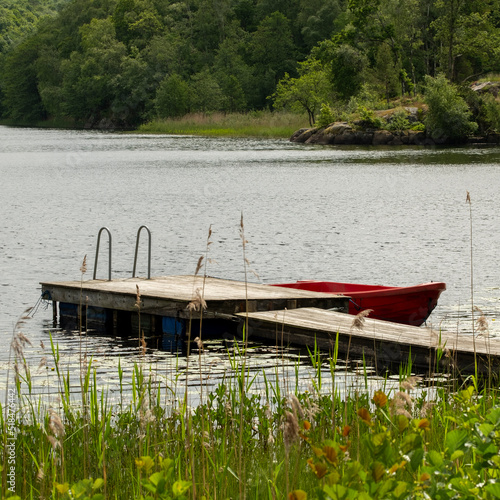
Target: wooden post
(54, 312)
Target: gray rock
(297, 134)
(381, 137)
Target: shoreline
(342, 134)
(335, 134)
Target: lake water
(391, 216)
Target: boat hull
(407, 305)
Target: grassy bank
(262, 124)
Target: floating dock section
(383, 344)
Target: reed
(261, 124)
(132, 445)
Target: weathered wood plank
(385, 341)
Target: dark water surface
(391, 216)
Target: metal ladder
(110, 251)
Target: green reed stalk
(468, 200)
(243, 370)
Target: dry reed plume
(358, 322)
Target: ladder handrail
(97, 252)
(137, 247)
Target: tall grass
(239, 444)
(263, 124)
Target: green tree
(386, 72)
(234, 76)
(305, 93)
(134, 92)
(491, 113)
(347, 66)
(272, 54)
(467, 33)
(212, 23)
(136, 22)
(49, 76)
(21, 99)
(19, 19)
(448, 116)
(90, 77)
(319, 19)
(172, 97)
(206, 94)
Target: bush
(399, 121)
(448, 117)
(172, 97)
(368, 118)
(368, 97)
(325, 117)
(418, 127)
(492, 113)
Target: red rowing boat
(409, 305)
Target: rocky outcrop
(341, 133)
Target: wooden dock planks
(170, 295)
(387, 343)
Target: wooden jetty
(168, 305)
(385, 344)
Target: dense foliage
(123, 62)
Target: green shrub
(448, 117)
(418, 127)
(492, 113)
(368, 118)
(368, 97)
(399, 121)
(325, 117)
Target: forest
(126, 62)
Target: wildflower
(199, 344)
(405, 397)
(55, 424)
(137, 297)
(426, 409)
(365, 416)
(198, 266)
(379, 399)
(424, 424)
(331, 454)
(319, 469)
(410, 383)
(43, 363)
(41, 473)
(24, 340)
